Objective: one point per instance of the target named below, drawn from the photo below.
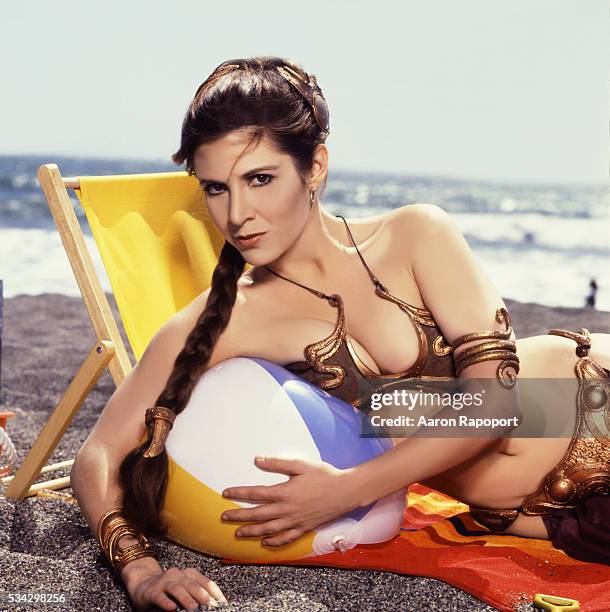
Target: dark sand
(45, 544)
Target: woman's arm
(462, 300)
(95, 484)
(120, 428)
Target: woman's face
(261, 191)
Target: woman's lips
(251, 239)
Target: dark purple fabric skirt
(582, 532)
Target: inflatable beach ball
(244, 407)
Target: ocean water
(537, 243)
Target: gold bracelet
(111, 527)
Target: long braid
(202, 339)
(144, 480)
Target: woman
(254, 137)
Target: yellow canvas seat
(159, 248)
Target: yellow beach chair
(159, 248)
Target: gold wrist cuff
(111, 527)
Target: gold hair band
(159, 421)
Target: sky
(512, 90)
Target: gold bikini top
(333, 364)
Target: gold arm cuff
(483, 347)
(482, 335)
(502, 316)
(507, 370)
(499, 348)
(487, 356)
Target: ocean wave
(20, 193)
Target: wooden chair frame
(108, 350)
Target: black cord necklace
(322, 295)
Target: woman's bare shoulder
(410, 217)
(405, 227)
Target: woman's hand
(148, 585)
(316, 493)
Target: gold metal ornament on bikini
(159, 421)
(494, 519)
(317, 354)
(440, 347)
(499, 347)
(584, 469)
(582, 338)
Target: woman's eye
(266, 179)
(209, 186)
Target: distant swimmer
(590, 299)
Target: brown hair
(257, 98)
